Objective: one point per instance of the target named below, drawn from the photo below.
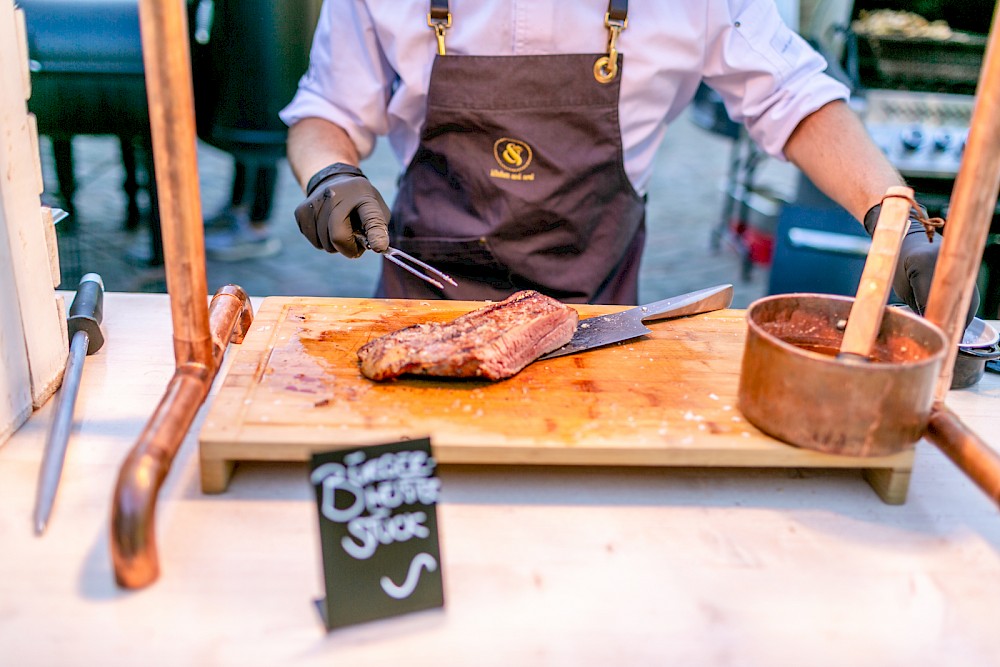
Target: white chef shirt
(371, 63)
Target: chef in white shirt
(528, 130)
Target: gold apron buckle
(439, 25)
(606, 67)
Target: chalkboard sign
(378, 531)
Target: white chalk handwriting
(406, 589)
(377, 486)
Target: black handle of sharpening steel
(87, 311)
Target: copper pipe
(973, 201)
(167, 62)
(200, 333)
(133, 514)
(975, 458)
(133, 533)
(236, 305)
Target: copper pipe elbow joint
(133, 514)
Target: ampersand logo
(512, 155)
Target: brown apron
(518, 183)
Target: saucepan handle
(987, 353)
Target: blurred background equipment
(750, 206)
(247, 58)
(913, 70)
(88, 79)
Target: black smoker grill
(247, 57)
(87, 78)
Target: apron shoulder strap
(439, 10)
(439, 20)
(617, 10)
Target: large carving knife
(86, 337)
(617, 327)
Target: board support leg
(891, 484)
(216, 474)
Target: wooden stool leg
(62, 154)
(215, 474)
(155, 234)
(891, 484)
(131, 183)
(991, 296)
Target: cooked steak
(493, 342)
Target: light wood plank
(15, 380)
(52, 244)
(44, 327)
(35, 154)
(22, 46)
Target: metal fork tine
(395, 260)
(396, 256)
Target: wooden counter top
(542, 565)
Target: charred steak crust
(493, 342)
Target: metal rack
(749, 211)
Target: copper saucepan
(841, 375)
(794, 388)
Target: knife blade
(603, 330)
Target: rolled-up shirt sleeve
(349, 80)
(768, 76)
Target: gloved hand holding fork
(343, 212)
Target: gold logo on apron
(513, 156)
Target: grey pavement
(685, 204)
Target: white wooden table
(569, 566)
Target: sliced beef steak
(493, 342)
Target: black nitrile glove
(917, 257)
(343, 212)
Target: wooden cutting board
(667, 399)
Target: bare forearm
(832, 147)
(314, 143)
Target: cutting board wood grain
(667, 399)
